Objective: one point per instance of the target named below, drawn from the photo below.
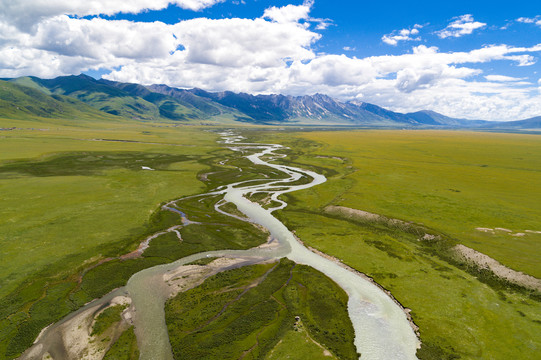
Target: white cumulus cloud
(289, 13)
(463, 25)
(242, 42)
(294, 13)
(402, 35)
(502, 78)
(24, 14)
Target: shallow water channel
(382, 330)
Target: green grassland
(63, 196)
(451, 182)
(250, 312)
(74, 197)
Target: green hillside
(100, 96)
(126, 100)
(21, 102)
(166, 106)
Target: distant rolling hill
(129, 101)
(20, 102)
(78, 95)
(528, 124)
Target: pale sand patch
(429, 237)
(185, 277)
(510, 232)
(350, 213)
(485, 229)
(269, 245)
(77, 339)
(120, 300)
(330, 157)
(35, 351)
(361, 215)
(486, 262)
(354, 213)
(76, 333)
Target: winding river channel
(382, 329)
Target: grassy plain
(247, 312)
(452, 182)
(73, 194)
(64, 195)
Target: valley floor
(422, 195)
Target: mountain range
(83, 97)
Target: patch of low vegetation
(305, 347)
(20, 328)
(232, 209)
(263, 199)
(246, 312)
(90, 163)
(203, 261)
(125, 348)
(229, 234)
(107, 318)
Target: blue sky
(469, 59)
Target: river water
(382, 330)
